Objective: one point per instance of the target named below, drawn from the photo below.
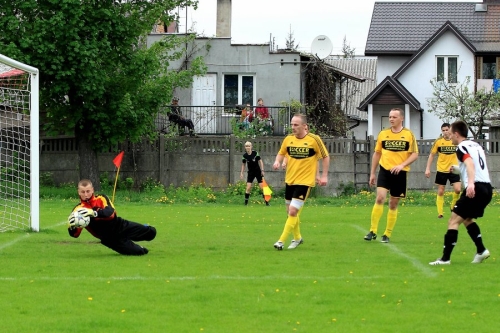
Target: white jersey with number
(470, 149)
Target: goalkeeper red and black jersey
(104, 225)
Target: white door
(203, 111)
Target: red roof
(12, 72)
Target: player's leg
(482, 197)
(250, 178)
(457, 188)
(293, 208)
(136, 231)
(397, 192)
(440, 181)
(125, 247)
(378, 207)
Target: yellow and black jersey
(302, 155)
(395, 147)
(447, 154)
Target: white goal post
(19, 146)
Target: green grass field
(213, 268)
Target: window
(447, 67)
(489, 67)
(238, 89)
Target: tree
(290, 41)
(347, 51)
(98, 78)
(454, 101)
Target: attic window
(481, 7)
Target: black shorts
(252, 175)
(443, 177)
(395, 184)
(300, 192)
(474, 207)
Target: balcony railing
(224, 120)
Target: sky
(260, 21)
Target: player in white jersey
(474, 199)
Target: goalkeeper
(114, 232)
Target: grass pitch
(213, 268)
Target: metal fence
(225, 120)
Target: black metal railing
(225, 120)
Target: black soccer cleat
(370, 236)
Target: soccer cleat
(278, 246)
(479, 258)
(371, 235)
(384, 239)
(439, 261)
(440, 216)
(295, 243)
(267, 203)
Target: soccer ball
(80, 220)
(455, 169)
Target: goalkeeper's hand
(87, 212)
(71, 222)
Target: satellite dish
(321, 46)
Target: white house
(416, 42)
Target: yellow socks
(392, 216)
(375, 218)
(440, 204)
(456, 196)
(290, 225)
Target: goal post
(19, 146)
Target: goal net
(19, 137)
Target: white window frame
(240, 93)
(445, 68)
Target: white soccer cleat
(278, 245)
(295, 243)
(479, 258)
(440, 262)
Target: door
(204, 112)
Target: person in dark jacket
(176, 117)
(114, 232)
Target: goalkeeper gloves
(87, 212)
(71, 221)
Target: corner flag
(266, 190)
(117, 161)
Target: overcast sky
(257, 21)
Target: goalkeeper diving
(114, 232)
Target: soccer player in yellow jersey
(395, 150)
(447, 156)
(299, 155)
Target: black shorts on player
(443, 177)
(394, 183)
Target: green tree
(98, 78)
(347, 51)
(454, 101)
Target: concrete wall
(217, 161)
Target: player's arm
(107, 209)
(73, 231)
(261, 164)
(278, 161)
(428, 167)
(471, 175)
(242, 168)
(375, 160)
(325, 166)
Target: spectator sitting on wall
(176, 117)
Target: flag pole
(117, 161)
(114, 188)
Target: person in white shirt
(474, 199)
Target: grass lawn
(213, 268)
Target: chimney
(223, 18)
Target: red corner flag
(117, 161)
(266, 190)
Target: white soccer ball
(455, 169)
(80, 220)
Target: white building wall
(387, 65)
(417, 78)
